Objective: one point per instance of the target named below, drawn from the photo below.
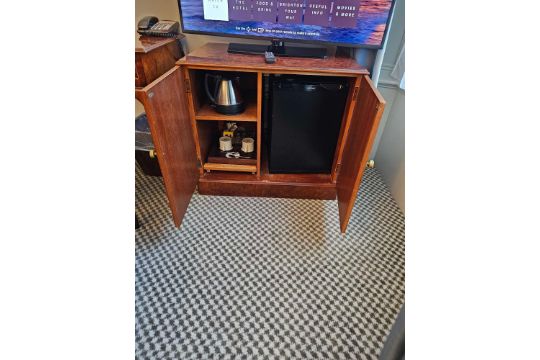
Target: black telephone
(151, 26)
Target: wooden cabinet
(154, 56)
(185, 128)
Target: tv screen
(356, 23)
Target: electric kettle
(226, 97)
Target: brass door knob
(371, 164)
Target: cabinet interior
(209, 125)
(201, 103)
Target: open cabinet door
(166, 108)
(362, 130)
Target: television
(351, 23)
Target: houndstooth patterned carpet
(262, 278)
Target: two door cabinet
(186, 129)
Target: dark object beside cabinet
(144, 147)
(149, 165)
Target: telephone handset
(151, 26)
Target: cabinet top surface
(144, 44)
(215, 55)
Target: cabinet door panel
(362, 130)
(165, 104)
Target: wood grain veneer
(230, 167)
(154, 56)
(214, 56)
(345, 123)
(361, 133)
(145, 44)
(206, 112)
(166, 109)
(299, 186)
(269, 189)
(191, 99)
(259, 139)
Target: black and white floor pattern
(262, 278)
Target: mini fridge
(303, 116)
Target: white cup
(248, 145)
(225, 143)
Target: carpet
(265, 278)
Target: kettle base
(230, 109)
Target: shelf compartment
(230, 167)
(267, 177)
(297, 186)
(201, 105)
(206, 112)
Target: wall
(395, 38)
(168, 10)
(390, 154)
(389, 146)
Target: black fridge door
(305, 120)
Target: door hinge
(188, 87)
(355, 93)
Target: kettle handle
(206, 76)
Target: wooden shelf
(267, 177)
(300, 186)
(298, 179)
(206, 112)
(230, 167)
